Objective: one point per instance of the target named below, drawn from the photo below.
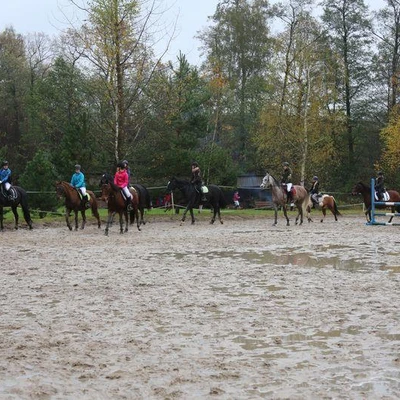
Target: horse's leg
(109, 221)
(15, 212)
(126, 220)
(284, 208)
(393, 211)
(95, 213)
(83, 219)
(192, 215)
(323, 209)
(67, 215)
(138, 222)
(215, 210)
(219, 214)
(276, 214)
(122, 214)
(299, 214)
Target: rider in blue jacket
(5, 177)
(78, 182)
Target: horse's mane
(273, 178)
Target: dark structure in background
(251, 195)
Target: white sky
(29, 16)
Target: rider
(121, 179)
(5, 178)
(127, 169)
(314, 191)
(286, 180)
(379, 185)
(78, 182)
(196, 179)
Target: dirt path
(242, 310)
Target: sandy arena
(242, 310)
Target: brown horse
(325, 202)
(73, 203)
(112, 195)
(301, 198)
(365, 192)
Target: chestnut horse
(112, 195)
(301, 198)
(365, 192)
(73, 203)
(325, 202)
(142, 191)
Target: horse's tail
(337, 212)
(147, 197)
(25, 207)
(222, 200)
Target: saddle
(81, 196)
(11, 195)
(385, 196)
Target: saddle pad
(204, 189)
(386, 196)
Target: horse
(301, 198)
(325, 202)
(73, 203)
(142, 192)
(365, 191)
(112, 195)
(215, 198)
(18, 197)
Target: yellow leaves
(390, 136)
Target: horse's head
(60, 191)
(171, 185)
(359, 188)
(105, 178)
(266, 182)
(105, 191)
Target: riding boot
(85, 202)
(128, 203)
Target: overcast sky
(28, 16)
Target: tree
(348, 28)
(238, 48)
(13, 89)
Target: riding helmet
(380, 173)
(4, 163)
(315, 178)
(195, 164)
(125, 162)
(285, 164)
(120, 165)
(77, 166)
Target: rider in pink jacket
(121, 179)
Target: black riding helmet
(121, 165)
(380, 173)
(4, 163)
(195, 164)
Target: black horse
(143, 193)
(18, 197)
(215, 198)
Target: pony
(19, 197)
(215, 198)
(142, 192)
(365, 191)
(325, 202)
(301, 198)
(112, 195)
(73, 203)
